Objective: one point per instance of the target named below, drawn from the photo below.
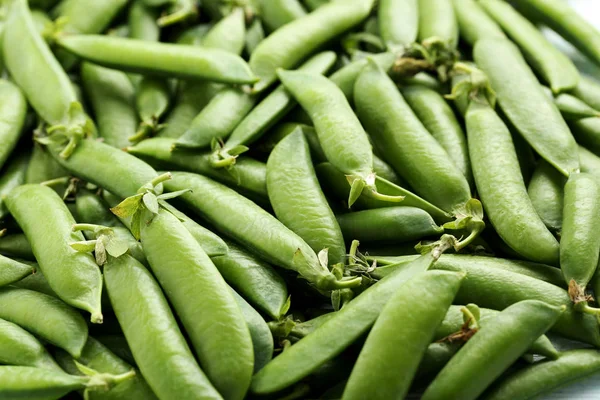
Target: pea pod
(587, 132)
(277, 13)
(387, 374)
(437, 21)
(503, 339)
(546, 191)
(435, 358)
(280, 247)
(19, 347)
(286, 47)
(290, 170)
(12, 271)
(118, 345)
(398, 22)
(43, 167)
(254, 35)
(47, 222)
(16, 246)
(590, 162)
(314, 4)
(571, 107)
(12, 111)
(474, 23)
(12, 176)
(44, 316)
(588, 90)
(523, 101)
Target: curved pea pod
(588, 90)
(277, 13)
(297, 198)
(398, 22)
(503, 339)
(435, 358)
(387, 374)
(111, 95)
(502, 189)
(474, 23)
(523, 101)
(391, 224)
(43, 167)
(13, 110)
(12, 271)
(183, 61)
(254, 35)
(156, 342)
(118, 345)
(12, 176)
(546, 376)
(406, 143)
(571, 107)
(438, 21)
(439, 119)
(287, 46)
(579, 244)
(312, 5)
(590, 162)
(44, 316)
(46, 221)
(335, 335)
(96, 356)
(16, 246)
(546, 191)
(587, 132)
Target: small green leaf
(324, 259)
(151, 202)
(85, 246)
(172, 195)
(237, 150)
(336, 299)
(286, 306)
(87, 371)
(136, 222)
(128, 207)
(116, 247)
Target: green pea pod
(224, 208)
(588, 90)
(277, 13)
(118, 345)
(386, 374)
(474, 23)
(44, 316)
(553, 66)
(406, 143)
(438, 117)
(438, 21)
(254, 35)
(46, 221)
(571, 107)
(435, 358)
(523, 101)
(335, 335)
(184, 61)
(43, 167)
(587, 132)
(314, 4)
(398, 22)
(35, 282)
(502, 189)
(546, 191)
(286, 47)
(503, 339)
(268, 112)
(16, 246)
(297, 198)
(42, 4)
(111, 95)
(13, 111)
(590, 162)
(12, 271)
(12, 176)
(255, 280)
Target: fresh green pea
(546, 191)
(587, 132)
(277, 13)
(118, 345)
(297, 198)
(16, 245)
(13, 110)
(224, 208)
(588, 90)
(254, 35)
(46, 221)
(571, 107)
(12, 176)
(44, 316)
(503, 339)
(19, 347)
(398, 22)
(388, 374)
(287, 46)
(525, 104)
(438, 21)
(255, 280)
(12, 271)
(473, 22)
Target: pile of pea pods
(297, 199)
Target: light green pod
(398, 22)
(546, 191)
(13, 110)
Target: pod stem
(146, 130)
(185, 9)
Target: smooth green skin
(297, 198)
(30, 61)
(398, 22)
(550, 63)
(44, 316)
(43, 167)
(334, 180)
(588, 90)
(587, 132)
(12, 176)
(160, 59)
(492, 350)
(435, 358)
(98, 357)
(438, 117)
(19, 347)
(118, 345)
(251, 178)
(335, 335)
(37, 384)
(110, 168)
(12, 271)
(579, 243)
(200, 297)
(46, 222)
(342, 137)
(474, 23)
(111, 95)
(13, 110)
(564, 20)
(275, 106)
(590, 162)
(397, 342)
(572, 108)
(501, 187)
(262, 340)
(254, 279)
(391, 224)
(254, 35)
(405, 142)
(276, 13)
(35, 282)
(546, 191)
(141, 20)
(523, 101)
(437, 20)
(289, 45)
(546, 376)
(261, 233)
(156, 342)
